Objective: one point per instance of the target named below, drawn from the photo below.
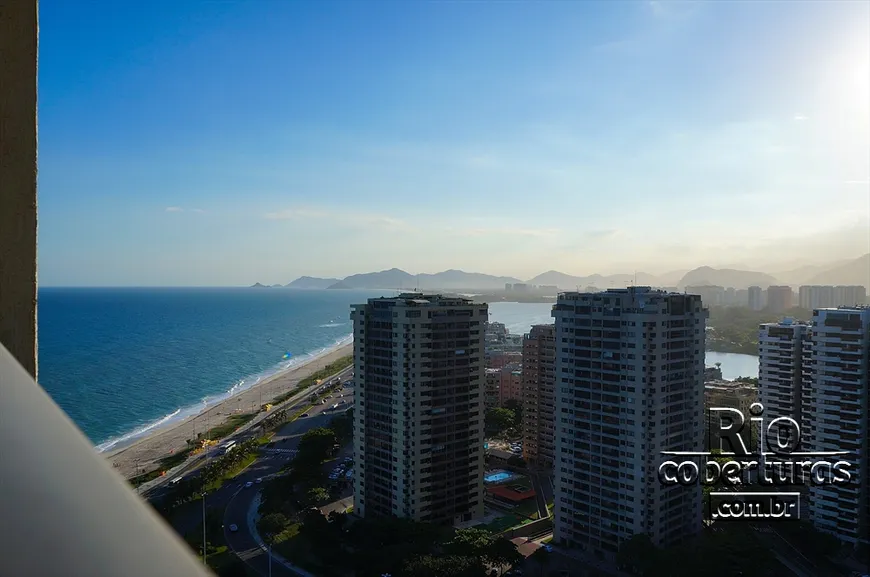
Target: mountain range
(849, 272)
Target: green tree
(317, 495)
(316, 445)
(442, 566)
(499, 420)
(517, 407)
(343, 426)
(470, 542)
(272, 524)
(502, 552)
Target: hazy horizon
(222, 144)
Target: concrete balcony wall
(18, 60)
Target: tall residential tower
(539, 363)
(838, 406)
(418, 421)
(629, 384)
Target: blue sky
(223, 143)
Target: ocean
(123, 362)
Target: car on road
(248, 485)
(303, 415)
(234, 528)
(259, 480)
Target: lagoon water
(518, 317)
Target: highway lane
(238, 507)
(157, 493)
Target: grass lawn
(295, 548)
(217, 483)
(166, 463)
(501, 524)
(328, 371)
(287, 534)
(234, 422)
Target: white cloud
(800, 117)
(174, 209)
(295, 214)
(382, 222)
(506, 231)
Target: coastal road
(159, 490)
(189, 517)
(242, 542)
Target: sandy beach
(145, 452)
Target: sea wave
(183, 413)
(330, 325)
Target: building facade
(756, 298)
(811, 297)
(838, 404)
(419, 409)
(539, 365)
(629, 384)
(727, 394)
(503, 384)
(780, 368)
(711, 295)
(779, 298)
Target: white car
(259, 480)
(248, 485)
(234, 528)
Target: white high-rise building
(812, 297)
(780, 369)
(838, 407)
(418, 418)
(629, 384)
(756, 298)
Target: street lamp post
(204, 541)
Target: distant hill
(726, 277)
(310, 282)
(450, 279)
(854, 272)
(570, 282)
(386, 279)
(800, 275)
(457, 279)
(258, 285)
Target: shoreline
(143, 454)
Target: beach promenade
(144, 453)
